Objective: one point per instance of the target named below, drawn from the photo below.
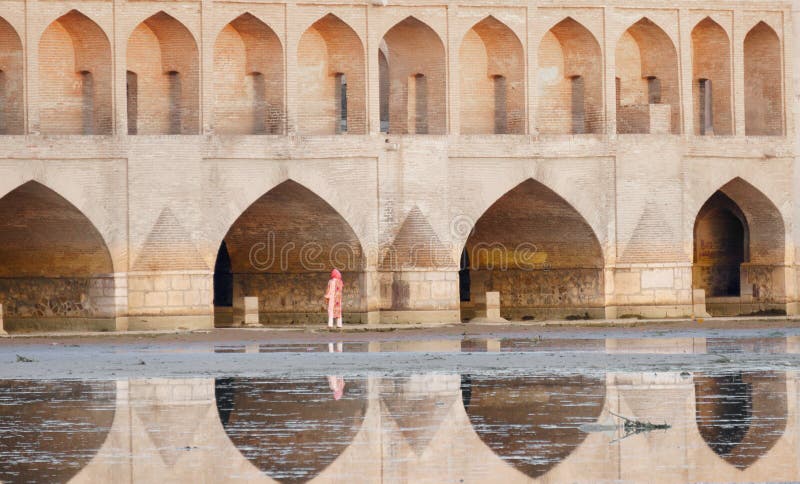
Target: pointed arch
(763, 85)
(12, 117)
(648, 87)
(282, 249)
(570, 77)
(711, 80)
(163, 63)
(416, 78)
(75, 77)
(248, 78)
(739, 251)
(54, 264)
(492, 80)
(526, 245)
(332, 78)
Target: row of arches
(531, 245)
(163, 82)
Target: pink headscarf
(335, 274)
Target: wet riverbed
(472, 409)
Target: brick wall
(762, 82)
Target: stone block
(2, 331)
(155, 299)
(699, 304)
(659, 278)
(251, 311)
(627, 282)
(493, 305)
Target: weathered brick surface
(218, 121)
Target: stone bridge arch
(539, 252)
(739, 251)
(281, 249)
(12, 85)
(57, 269)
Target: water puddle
(726, 426)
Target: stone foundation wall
(73, 297)
(535, 294)
(296, 297)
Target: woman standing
(334, 298)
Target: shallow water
(725, 421)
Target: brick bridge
(161, 160)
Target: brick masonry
(137, 136)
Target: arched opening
(12, 119)
(281, 250)
(648, 99)
(570, 81)
(162, 54)
(330, 53)
(55, 269)
(414, 78)
(492, 80)
(540, 416)
(711, 58)
(741, 415)
(738, 252)
(248, 79)
(763, 86)
(291, 430)
(74, 77)
(540, 254)
(58, 427)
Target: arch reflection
(533, 423)
(291, 429)
(50, 430)
(741, 415)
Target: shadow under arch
(291, 429)
(533, 423)
(739, 241)
(50, 430)
(741, 415)
(55, 267)
(539, 252)
(281, 249)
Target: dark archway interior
(281, 250)
(721, 240)
(539, 253)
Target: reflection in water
(533, 422)
(290, 429)
(741, 415)
(429, 427)
(50, 430)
